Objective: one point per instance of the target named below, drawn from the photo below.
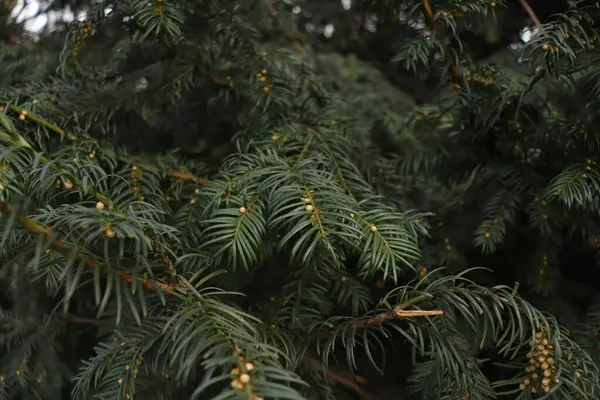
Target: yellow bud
(236, 384)
(244, 378)
(243, 210)
(309, 208)
(100, 205)
(373, 228)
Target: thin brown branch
(342, 379)
(12, 38)
(428, 13)
(80, 320)
(530, 12)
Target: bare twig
(398, 312)
(530, 12)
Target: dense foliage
(292, 200)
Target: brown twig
(19, 41)
(81, 320)
(428, 13)
(342, 379)
(398, 312)
(530, 12)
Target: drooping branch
(35, 227)
(18, 140)
(172, 173)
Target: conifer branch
(172, 173)
(98, 196)
(35, 227)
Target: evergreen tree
(203, 199)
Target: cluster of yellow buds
(21, 369)
(456, 89)
(86, 30)
(109, 232)
(136, 174)
(453, 14)
(138, 362)
(423, 271)
(192, 200)
(420, 115)
(543, 267)
(476, 77)
(242, 375)
(542, 366)
(41, 376)
(229, 80)
(448, 245)
(546, 47)
(22, 115)
(276, 138)
(589, 163)
(158, 10)
(67, 184)
(262, 77)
